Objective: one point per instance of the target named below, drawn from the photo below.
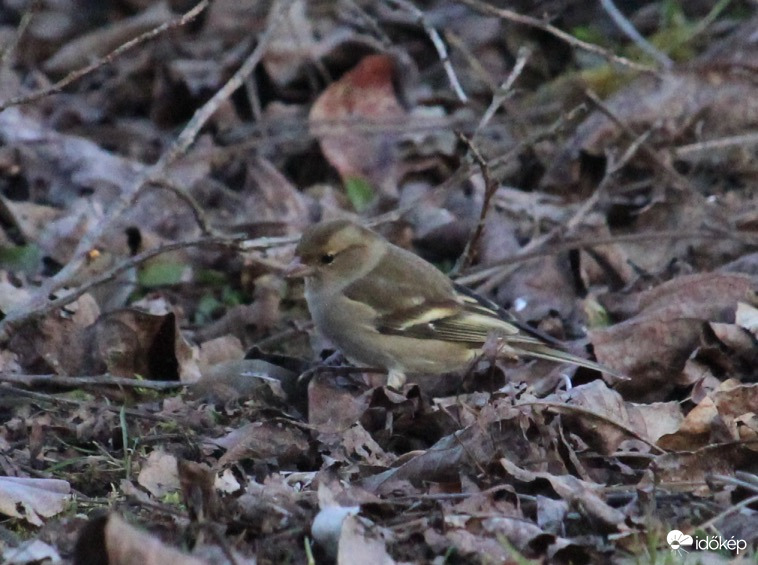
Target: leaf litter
(163, 395)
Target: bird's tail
(556, 355)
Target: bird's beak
(296, 269)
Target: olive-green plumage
(385, 307)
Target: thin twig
(684, 151)
(200, 216)
(709, 18)
(373, 25)
(504, 90)
(109, 58)
(490, 188)
(51, 398)
(17, 316)
(586, 207)
(23, 25)
(204, 113)
(482, 273)
(85, 381)
(731, 510)
(631, 32)
(240, 242)
(678, 180)
(439, 45)
(38, 302)
(477, 68)
(515, 17)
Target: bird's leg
(333, 358)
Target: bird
(386, 308)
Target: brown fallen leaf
(695, 467)
(705, 296)
(126, 545)
(197, 482)
(273, 440)
(697, 429)
(57, 343)
(665, 326)
(291, 47)
(579, 494)
(244, 379)
(472, 447)
(616, 419)
(361, 541)
(363, 96)
(158, 473)
(33, 499)
(332, 408)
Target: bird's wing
(401, 281)
(458, 319)
(472, 319)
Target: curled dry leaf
(467, 544)
(578, 494)
(472, 447)
(606, 431)
(331, 408)
(540, 287)
(73, 165)
(734, 353)
(361, 541)
(219, 350)
(275, 440)
(358, 442)
(724, 415)
(747, 317)
(697, 429)
(704, 296)
(124, 544)
(327, 526)
(274, 197)
(696, 467)
(130, 342)
(245, 379)
(652, 346)
(159, 474)
(198, 484)
(28, 217)
(32, 499)
(32, 551)
(57, 343)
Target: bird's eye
(327, 258)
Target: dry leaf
(33, 499)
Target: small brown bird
(385, 307)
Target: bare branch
(504, 90)
(631, 32)
(515, 17)
(85, 381)
(109, 58)
(7, 52)
(490, 188)
(39, 303)
(439, 45)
